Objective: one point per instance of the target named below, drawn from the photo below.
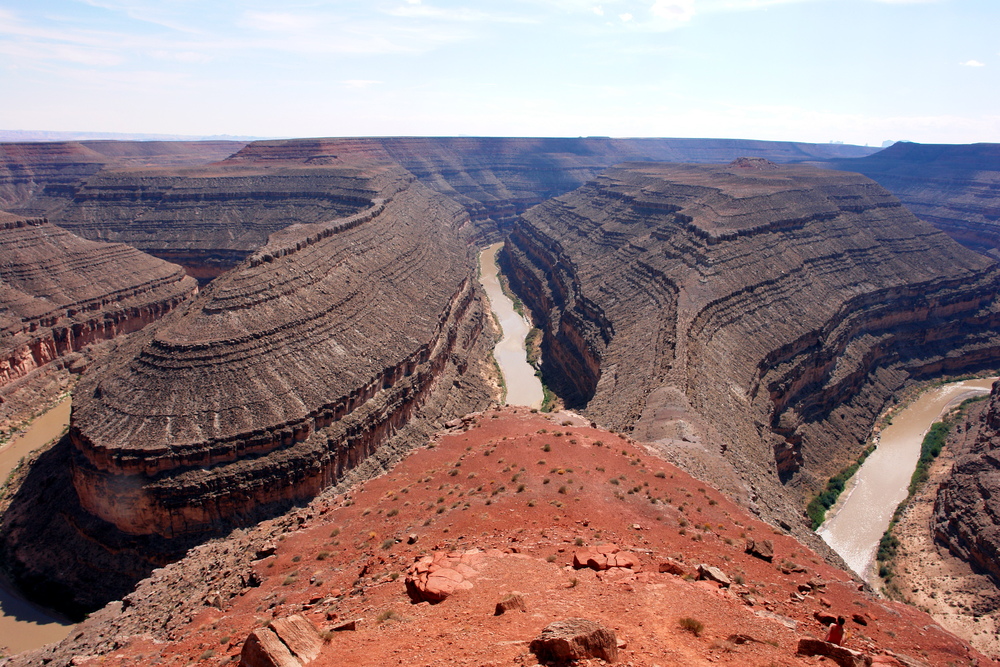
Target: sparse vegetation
(817, 507)
(692, 625)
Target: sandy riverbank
(929, 577)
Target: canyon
(955, 188)
(751, 318)
(61, 294)
(747, 318)
(209, 217)
(967, 509)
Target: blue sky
(858, 71)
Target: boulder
(292, 641)
(763, 549)
(512, 602)
(604, 557)
(671, 566)
(844, 657)
(435, 578)
(711, 573)
(575, 639)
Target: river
(856, 523)
(24, 626)
(523, 386)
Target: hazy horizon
(853, 71)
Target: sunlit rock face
(761, 310)
(956, 188)
(60, 293)
(289, 369)
(967, 509)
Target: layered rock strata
(967, 509)
(286, 372)
(210, 218)
(32, 174)
(60, 293)
(955, 188)
(497, 178)
(770, 309)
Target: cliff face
(210, 218)
(285, 372)
(955, 188)
(33, 173)
(967, 509)
(60, 293)
(772, 309)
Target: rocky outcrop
(436, 578)
(956, 188)
(60, 293)
(772, 310)
(285, 642)
(286, 372)
(575, 639)
(967, 509)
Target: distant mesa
(758, 163)
(165, 199)
(956, 188)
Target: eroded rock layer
(60, 293)
(33, 173)
(285, 372)
(211, 217)
(955, 188)
(770, 309)
(967, 510)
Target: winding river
(856, 523)
(24, 626)
(523, 386)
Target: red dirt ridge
(507, 502)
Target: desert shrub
(692, 625)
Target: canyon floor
(519, 493)
(928, 576)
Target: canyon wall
(33, 175)
(60, 293)
(956, 188)
(967, 510)
(208, 218)
(751, 315)
(286, 371)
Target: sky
(856, 71)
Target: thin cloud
(420, 10)
(359, 83)
(972, 63)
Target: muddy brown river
(24, 626)
(523, 386)
(856, 523)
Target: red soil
(465, 492)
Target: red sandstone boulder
(435, 578)
(763, 549)
(512, 602)
(287, 642)
(844, 657)
(575, 639)
(604, 557)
